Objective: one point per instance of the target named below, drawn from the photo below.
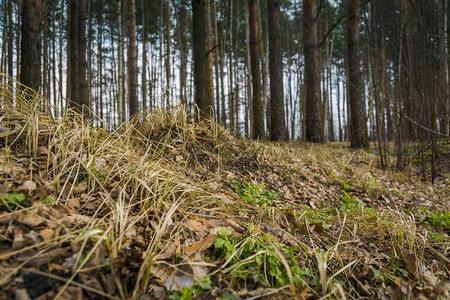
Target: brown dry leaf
(109, 283)
(4, 187)
(394, 293)
(409, 261)
(28, 186)
(442, 291)
(72, 293)
(75, 219)
(73, 203)
(6, 219)
(201, 245)
(304, 293)
(21, 294)
(207, 223)
(233, 224)
(47, 234)
(44, 258)
(178, 282)
(198, 265)
(91, 281)
(167, 252)
(196, 226)
(80, 189)
(29, 220)
(261, 292)
(161, 273)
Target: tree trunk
(132, 60)
(10, 38)
(30, 69)
(203, 77)
(89, 56)
(278, 129)
(83, 93)
(216, 59)
(443, 92)
(121, 77)
(144, 55)
(358, 132)
(313, 114)
(167, 61)
(258, 131)
(100, 59)
(385, 78)
(45, 51)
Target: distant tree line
(350, 70)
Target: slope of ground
(164, 208)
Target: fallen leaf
(409, 261)
(261, 292)
(179, 282)
(73, 203)
(30, 220)
(47, 234)
(201, 245)
(21, 294)
(4, 187)
(72, 293)
(168, 252)
(28, 186)
(196, 226)
(234, 225)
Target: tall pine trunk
(132, 60)
(278, 129)
(30, 60)
(313, 107)
(258, 132)
(203, 77)
(358, 130)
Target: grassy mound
(166, 208)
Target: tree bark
(100, 59)
(278, 129)
(132, 60)
(358, 131)
(313, 114)
(443, 88)
(121, 76)
(258, 131)
(30, 69)
(10, 38)
(203, 77)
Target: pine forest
(225, 149)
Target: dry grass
(123, 205)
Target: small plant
(48, 201)
(258, 260)
(313, 216)
(436, 218)
(371, 185)
(224, 243)
(9, 201)
(201, 285)
(345, 186)
(399, 268)
(254, 193)
(350, 203)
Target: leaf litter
(162, 207)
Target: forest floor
(165, 208)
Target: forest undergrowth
(165, 208)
